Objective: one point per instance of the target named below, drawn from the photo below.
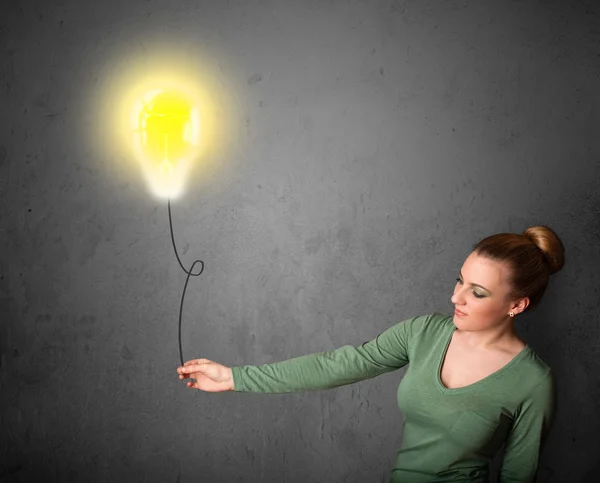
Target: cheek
(484, 306)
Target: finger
(192, 376)
(186, 368)
(189, 369)
(195, 361)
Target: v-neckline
(493, 375)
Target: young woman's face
(487, 302)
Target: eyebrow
(475, 284)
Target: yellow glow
(162, 129)
(165, 116)
(165, 130)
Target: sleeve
(325, 370)
(530, 429)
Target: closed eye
(479, 296)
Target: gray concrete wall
(364, 148)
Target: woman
(472, 385)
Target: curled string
(186, 280)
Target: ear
(521, 305)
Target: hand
(210, 376)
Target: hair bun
(549, 244)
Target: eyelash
(476, 295)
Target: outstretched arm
(325, 370)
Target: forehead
(484, 271)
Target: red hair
(531, 257)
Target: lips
(459, 312)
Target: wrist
(232, 384)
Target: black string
(186, 280)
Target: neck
(495, 337)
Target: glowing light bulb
(165, 129)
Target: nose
(457, 298)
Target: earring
(512, 314)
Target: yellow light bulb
(165, 129)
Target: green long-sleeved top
(449, 435)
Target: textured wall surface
(369, 145)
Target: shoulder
(536, 380)
(536, 369)
(431, 324)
